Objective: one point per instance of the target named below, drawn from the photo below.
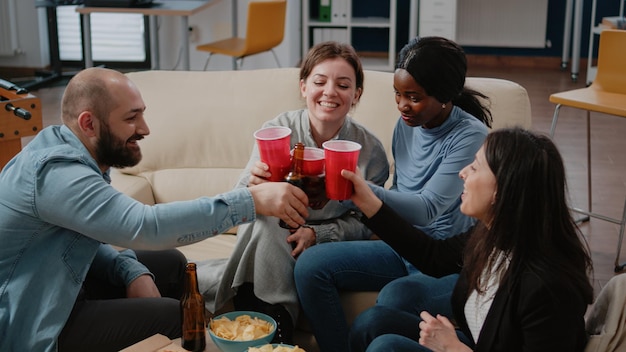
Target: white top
(478, 305)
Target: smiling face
(330, 92)
(417, 107)
(479, 189)
(119, 132)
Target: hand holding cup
(340, 155)
(273, 144)
(363, 196)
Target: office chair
(607, 95)
(265, 29)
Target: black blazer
(529, 312)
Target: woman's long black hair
(531, 222)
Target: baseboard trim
(9, 73)
(540, 62)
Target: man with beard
(62, 285)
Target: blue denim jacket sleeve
(74, 197)
(117, 267)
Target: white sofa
(201, 126)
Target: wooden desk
(180, 8)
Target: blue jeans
(395, 343)
(398, 343)
(398, 307)
(325, 269)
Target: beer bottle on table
(295, 176)
(192, 310)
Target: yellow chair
(607, 95)
(265, 29)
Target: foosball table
(20, 116)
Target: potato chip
(264, 348)
(243, 328)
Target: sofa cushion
(202, 123)
(174, 184)
(509, 102)
(135, 187)
(205, 120)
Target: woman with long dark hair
(524, 268)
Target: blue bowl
(274, 345)
(226, 345)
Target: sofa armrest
(136, 187)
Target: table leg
(154, 42)
(184, 38)
(567, 33)
(413, 11)
(235, 25)
(87, 53)
(576, 35)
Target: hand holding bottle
(295, 176)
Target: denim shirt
(58, 215)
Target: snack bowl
(226, 345)
(281, 347)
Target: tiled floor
(608, 142)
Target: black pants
(104, 320)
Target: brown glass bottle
(192, 313)
(295, 176)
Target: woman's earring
(443, 106)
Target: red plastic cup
(313, 164)
(273, 143)
(340, 155)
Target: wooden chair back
(265, 25)
(611, 75)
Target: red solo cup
(273, 143)
(340, 155)
(313, 164)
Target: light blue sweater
(426, 186)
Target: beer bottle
(192, 310)
(295, 176)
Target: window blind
(114, 37)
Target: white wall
(32, 38)
(213, 23)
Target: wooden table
(159, 342)
(180, 8)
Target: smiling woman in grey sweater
(259, 273)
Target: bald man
(59, 217)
